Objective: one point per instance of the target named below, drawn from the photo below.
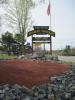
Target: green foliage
(10, 44)
(18, 37)
(73, 52)
(7, 40)
(5, 56)
(67, 51)
(2, 48)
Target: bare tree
(3, 1)
(17, 16)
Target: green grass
(6, 56)
(71, 63)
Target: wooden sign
(40, 39)
(41, 32)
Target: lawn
(6, 56)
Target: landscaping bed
(28, 72)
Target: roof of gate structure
(41, 30)
(41, 27)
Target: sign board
(41, 42)
(41, 32)
(40, 38)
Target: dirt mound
(29, 73)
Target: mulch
(29, 73)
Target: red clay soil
(29, 73)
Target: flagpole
(50, 30)
(49, 96)
(50, 14)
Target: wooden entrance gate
(44, 32)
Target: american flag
(48, 9)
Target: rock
(21, 57)
(1, 91)
(1, 96)
(27, 98)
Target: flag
(48, 9)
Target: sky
(62, 21)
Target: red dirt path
(28, 73)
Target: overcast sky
(63, 21)
(62, 18)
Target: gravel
(16, 92)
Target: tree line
(11, 44)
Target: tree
(10, 43)
(18, 38)
(67, 50)
(17, 16)
(3, 1)
(7, 40)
